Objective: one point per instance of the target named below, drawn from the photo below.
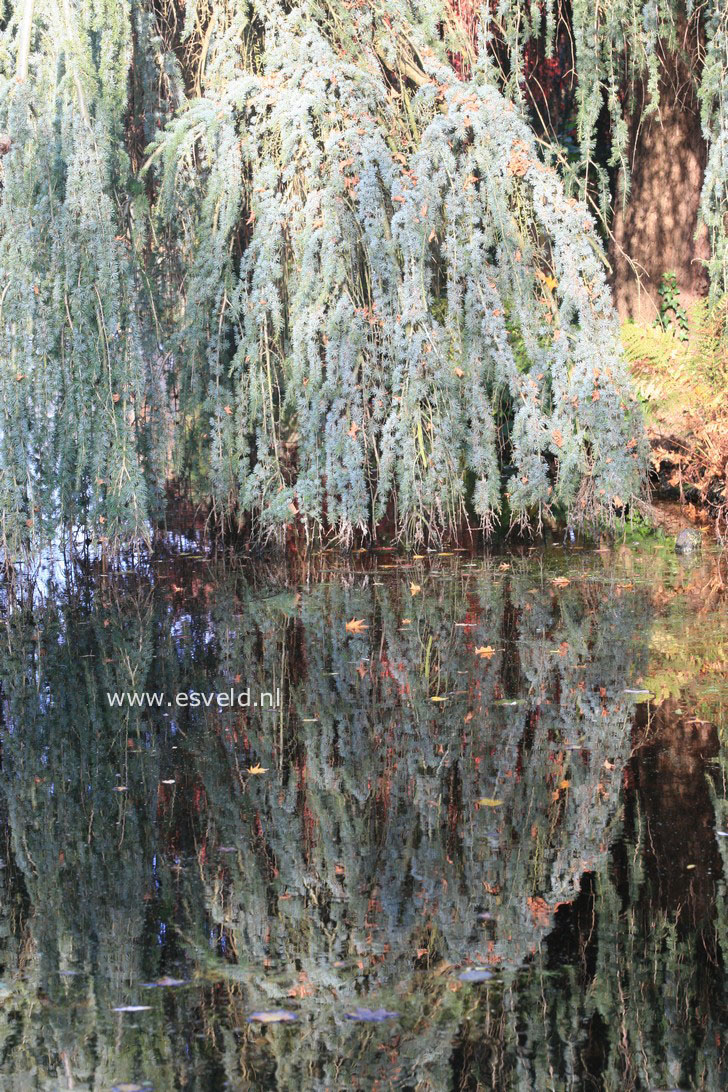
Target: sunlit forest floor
(681, 376)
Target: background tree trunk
(657, 227)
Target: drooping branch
(24, 35)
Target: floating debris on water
(477, 974)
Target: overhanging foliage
(360, 296)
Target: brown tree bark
(658, 227)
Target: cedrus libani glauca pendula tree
(417, 306)
(79, 397)
(341, 279)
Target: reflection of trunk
(657, 228)
(672, 774)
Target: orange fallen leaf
(415, 589)
(257, 769)
(540, 910)
(485, 652)
(356, 625)
(560, 581)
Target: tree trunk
(658, 227)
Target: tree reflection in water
(529, 823)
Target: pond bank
(683, 386)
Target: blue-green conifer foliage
(341, 287)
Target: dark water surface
(466, 786)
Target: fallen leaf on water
(443, 967)
(485, 652)
(257, 769)
(356, 625)
(477, 974)
(639, 696)
(560, 581)
(272, 1016)
(488, 802)
(414, 589)
(540, 910)
(303, 989)
(370, 1016)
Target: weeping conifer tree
(647, 89)
(418, 309)
(79, 396)
(347, 290)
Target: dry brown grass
(684, 385)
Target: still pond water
(464, 850)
